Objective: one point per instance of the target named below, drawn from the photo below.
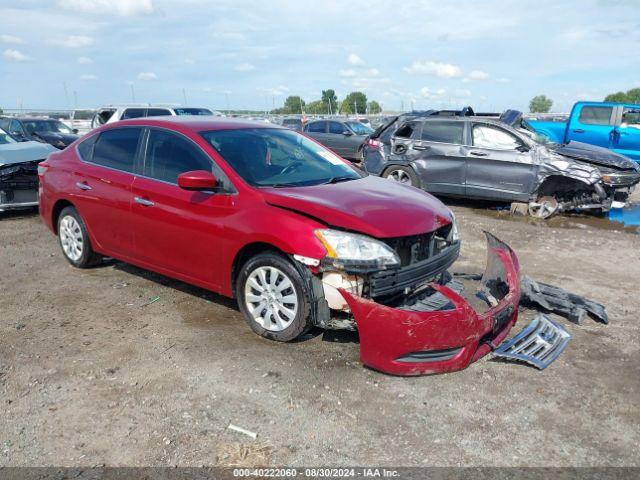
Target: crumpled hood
(371, 205)
(54, 137)
(596, 155)
(20, 152)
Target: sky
(246, 54)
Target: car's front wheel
(74, 239)
(273, 297)
(402, 174)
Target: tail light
(374, 143)
(42, 168)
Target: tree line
(328, 104)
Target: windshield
(360, 128)
(46, 126)
(266, 157)
(6, 138)
(193, 111)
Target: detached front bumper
(405, 341)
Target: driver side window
(488, 136)
(337, 128)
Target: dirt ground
(122, 367)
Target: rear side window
(316, 127)
(117, 148)
(133, 113)
(406, 130)
(592, 115)
(85, 149)
(631, 117)
(169, 155)
(443, 132)
(157, 112)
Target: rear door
(176, 231)
(627, 136)
(593, 124)
(317, 131)
(500, 166)
(439, 156)
(102, 187)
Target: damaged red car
(298, 235)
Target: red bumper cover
(404, 342)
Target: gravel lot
(93, 371)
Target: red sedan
(299, 236)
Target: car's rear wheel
(74, 239)
(402, 174)
(272, 296)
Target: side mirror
(347, 133)
(522, 149)
(197, 180)
(75, 130)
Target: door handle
(578, 130)
(83, 186)
(478, 154)
(420, 147)
(143, 201)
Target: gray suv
(346, 138)
(475, 157)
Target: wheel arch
(553, 185)
(245, 253)
(60, 205)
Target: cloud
(88, 77)
(11, 39)
(348, 73)
(72, 41)
(503, 80)
(16, 56)
(275, 91)
(354, 59)
(85, 60)
(478, 75)
(426, 92)
(147, 76)
(443, 70)
(244, 67)
(189, 61)
(124, 8)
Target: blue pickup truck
(610, 125)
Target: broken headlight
(346, 249)
(454, 235)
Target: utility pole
(66, 94)
(226, 96)
(184, 96)
(133, 93)
(301, 109)
(75, 99)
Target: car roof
(194, 123)
(18, 117)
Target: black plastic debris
(556, 300)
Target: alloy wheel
(271, 298)
(400, 176)
(71, 238)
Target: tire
(257, 289)
(74, 239)
(403, 175)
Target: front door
(179, 232)
(593, 124)
(499, 165)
